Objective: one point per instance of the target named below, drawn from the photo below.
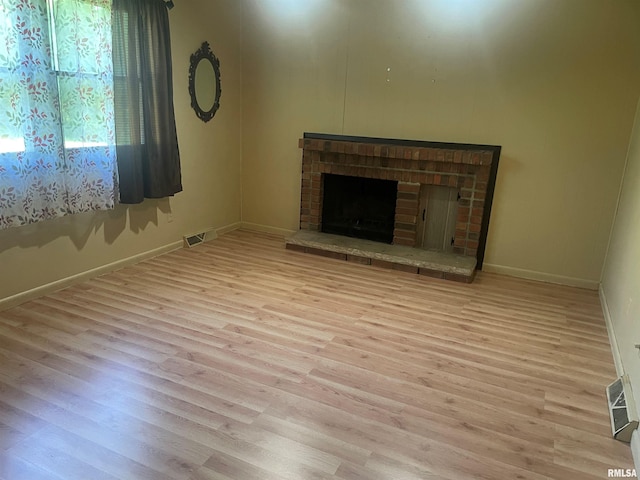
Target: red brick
(402, 203)
(407, 196)
(294, 247)
(358, 259)
(459, 278)
(409, 187)
(398, 233)
(405, 268)
(325, 253)
(404, 241)
(381, 263)
(405, 218)
(427, 272)
(407, 211)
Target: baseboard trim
(617, 360)
(540, 276)
(615, 351)
(267, 229)
(635, 450)
(228, 228)
(22, 297)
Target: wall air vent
(622, 412)
(193, 240)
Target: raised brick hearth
(468, 169)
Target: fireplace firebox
(359, 207)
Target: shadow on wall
(80, 227)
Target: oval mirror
(204, 83)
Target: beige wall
(553, 82)
(621, 279)
(46, 252)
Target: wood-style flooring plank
(241, 360)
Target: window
(84, 78)
(57, 135)
(10, 134)
(58, 121)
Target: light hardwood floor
(241, 360)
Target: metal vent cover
(624, 419)
(193, 240)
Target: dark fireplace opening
(359, 207)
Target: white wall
(621, 279)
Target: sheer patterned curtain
(57, 135)
(147, 144)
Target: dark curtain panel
(146, 139)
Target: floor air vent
(193, 240)
(622, 412)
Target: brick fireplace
(469, 168)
